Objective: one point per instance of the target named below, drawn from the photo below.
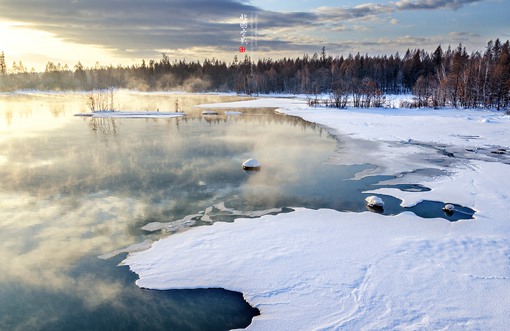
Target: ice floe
(130, 114)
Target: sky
(127, 31)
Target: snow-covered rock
(209, 112)
(374, 201)
(449, 208)
(251, 164)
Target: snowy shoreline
(325, 269)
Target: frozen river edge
(324, 269)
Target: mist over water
(75, 188)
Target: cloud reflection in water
(71, 191)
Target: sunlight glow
(35, 48)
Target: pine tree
(3, 66)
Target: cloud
(340, 14)
(464, 35)
(433, 4)
(134, 29)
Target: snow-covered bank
(324, 269)
(329, 270)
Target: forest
(445, 77)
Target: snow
(209, 112)
(330, 270)
(449, 208)
(233, 113)
(130, 114)
(374, 201)
(251, 164)
(130, 249)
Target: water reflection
(38, 308)
(105, 126)
(76, 188)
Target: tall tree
(501, 76)
(3, 66)
(455, 81)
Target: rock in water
(251, 164)
(374, 201)
(209, 112)
(449, 208)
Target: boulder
(251, 164)
(374, 201)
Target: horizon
(107, 33)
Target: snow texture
(331, 270)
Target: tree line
(450, 77)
